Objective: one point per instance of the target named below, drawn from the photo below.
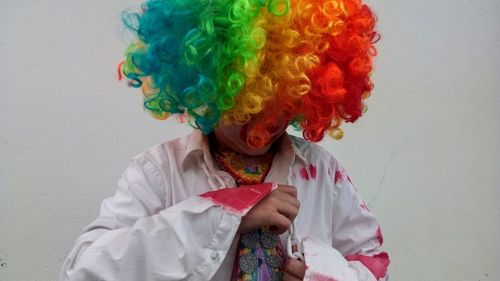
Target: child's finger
(280, 222)
(288, 198)
(288, 210)
(288, 189)
(295, 268)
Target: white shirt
(158, 227)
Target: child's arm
(357, 233)
(356, 254)
(137, 237)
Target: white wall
(425, 157)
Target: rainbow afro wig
(304, 61)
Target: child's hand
(294, 270)
(277, 210)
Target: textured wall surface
(425, 157)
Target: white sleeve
(355, 254)
(137, 237)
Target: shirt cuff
(325, 263)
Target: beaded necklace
(245, 169)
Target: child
(239, 198)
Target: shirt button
(214, 255)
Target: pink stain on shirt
(380, 238)
(239, 199)
(363, 206)
(313, 171)
(304, 174)
(339, 176)
(377, 264)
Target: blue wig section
(193, 52)
(175, 47)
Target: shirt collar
(198, 145)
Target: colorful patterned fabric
(260, 257)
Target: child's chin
(259, 148)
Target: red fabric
(377, 264)
(340, 176)
(313, 171)
(239, 199)
(311, 174)
(304, 174)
